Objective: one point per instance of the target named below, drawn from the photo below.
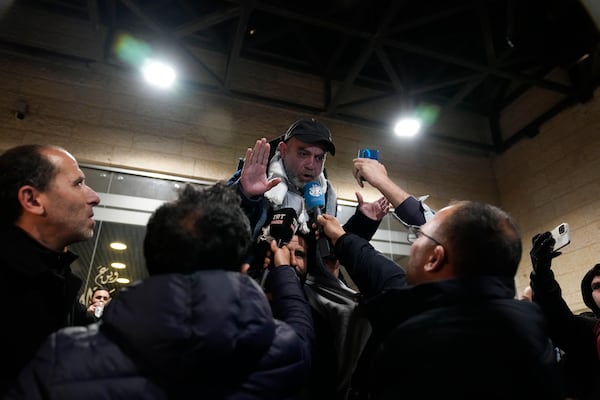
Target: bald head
(475, 239)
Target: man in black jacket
(198, 327)
(46, 206)
(451, 327)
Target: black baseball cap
(310, 131)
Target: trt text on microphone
(282, 226)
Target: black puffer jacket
(209, 335)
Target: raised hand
(372, 171)
(542, 252)
(331, 227)
(253, 179)
(375, 210)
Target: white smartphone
(562, 236)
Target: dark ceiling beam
(486, 30)
(389, 69)
(92, 6)
(311, 20)
(146, 19)
(463, 92)
(532, 129)
(411, 92)
(365, 55)
(439, 55)
(434, 54)
(361, 60)
(207, 21)
(311, 54)
(233, 56)
(490, 55)
(436, 137)
(433, 17)
(512, 95)
(157, 27)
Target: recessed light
(118, 246)
(407, 127)
(123, 280)
(118, 265)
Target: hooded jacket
(571, 333)
(207, 335)
(586, 289)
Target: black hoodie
(586, 289)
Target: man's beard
(293, 179)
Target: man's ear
(282, 147)
(437, 259)
(244, 268)
(29, 199)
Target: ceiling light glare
(123, 280)
(407, 127)
(118, 246)
(118, 265)
(158, 74)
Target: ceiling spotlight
(158, 73)
(407, 127)
(118, 265)
(118, 246)
(123, 280)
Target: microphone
(314, 197)
(283, 225)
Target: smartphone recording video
(561, 235)
(373, 154)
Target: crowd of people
(448, 324)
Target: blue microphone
(314, 198)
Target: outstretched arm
(408, 209)
(367, 217)
(374, 172)
(570, 332)
(369, 269)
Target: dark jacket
(573, 334)
(341, 325)
(452, 339)
(206, 335)
(40, 293)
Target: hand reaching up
(253, 179)
(375, 210)
(542, 252)
(331, 227)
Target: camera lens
(561, 229)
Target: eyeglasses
(413, 232)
